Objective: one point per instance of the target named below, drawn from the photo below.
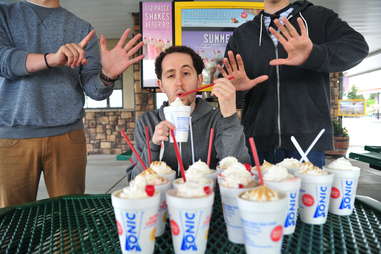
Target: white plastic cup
(262, 223)
(231, 213)
(179, 116)
(163, 211)
(314, 198)
(343, 191)
(291, 187)
(136, 221)
(189, 220)
(180, 181)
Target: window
(114, 101)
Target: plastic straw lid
(210, 146)
(133, 149)
(148, 145)
(313, 143)
(299, 149)
(256, 159)
(178, 156)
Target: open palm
(298, 46)
(117, 60)
(236, 69)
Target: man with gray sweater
(178, 70)
(48, 59)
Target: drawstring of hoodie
(261, 29)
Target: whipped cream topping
(290, 163)
(151, 177)
(135, 190)
(226, 162)
(191, 189)
(197, 170)
(235, 176)
(276, 173)
(310, 169)
(177, 102)
(261, 193)
(342, 164)
(161, 168)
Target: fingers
(135, 49)
(223, 88)
(260, 79)
(283, 29)
(227, 66)
(291, 29)
(87, 38)
(123, 38)
(81, 57)
(279, 61)
(277, 35)
(162, 132)
(75, 55)
(132, 42)
(103, 43)
(68, 54)
(136, 59)
(241, 66)
(302, 26)
(232, 60)
(222, 70)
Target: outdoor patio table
(86, 224)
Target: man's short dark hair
(198, 64)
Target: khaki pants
(61, 158)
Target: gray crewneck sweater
(48, 102)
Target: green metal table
(371, 156)
(86, 224)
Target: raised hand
(298, 46)
(71, 55)
(161, 132)
(235, 67)
(225, 91)
(117, 60)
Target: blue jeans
(317, 158)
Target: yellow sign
(356, 107)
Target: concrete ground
(105, 174)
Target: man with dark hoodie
(293, 47)
(178, 70)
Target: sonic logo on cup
(291, 215)
(347, 197)
(189, 236)
(132, 236)
(322, 202)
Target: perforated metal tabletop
(86, 224)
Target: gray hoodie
(229, 139)
(49, 102)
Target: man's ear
(200, 79)
(159, 84)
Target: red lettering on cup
(175, 229)
(277, 233)
(119, 227)
(335, 192)
(308, 200)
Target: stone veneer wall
(103, 126)
(336, 83)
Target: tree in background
(353, 94)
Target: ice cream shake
(291, 164)
(161, 186)
(162, 169)
(233, 181)
(200, 169)
(226, 162)
(344, 186)
(190, 210)
(277, 178)
(136, 211)
(314, 193)
(263, 211)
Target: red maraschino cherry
(150, 190)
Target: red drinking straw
(211, 136)
(133, 148)
(148, 145)
(256, 159)
(200, 88)
(178, 156)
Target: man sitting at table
(178, 70)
